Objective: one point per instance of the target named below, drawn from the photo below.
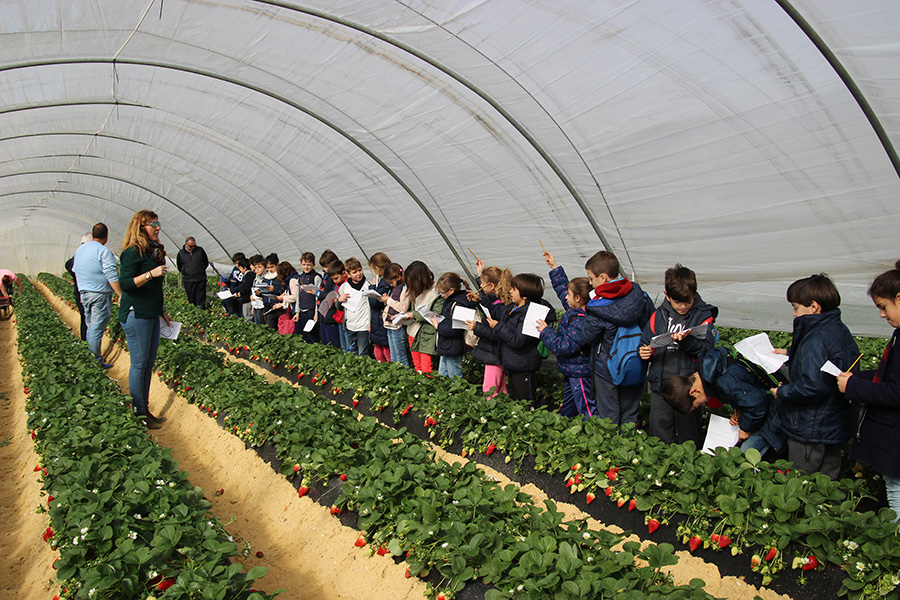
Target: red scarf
(613, 289)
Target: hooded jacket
(451, 342)
(573, 355)
(686, 352)
(811, 408)
(619, 303)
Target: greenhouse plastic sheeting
(752, 141)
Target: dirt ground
(306, 550)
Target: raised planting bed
(126, 522)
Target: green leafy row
(126, 522)
(443, 517)
(728, 502)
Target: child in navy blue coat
(451, 343)
(723, 378)
(876, 440)
(518, 351)
(495, 285)
(813, 412)
(567, 343)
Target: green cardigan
(146, 300)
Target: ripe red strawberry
(724, 540)
(441, 597)
(405, 410)
(360, 541)
(632, 504)
(164, 585)
(50, 499)
(715, 538)
(771, 554)
(589, 497)
(302, 491)
(694, 542)
(259, 554)
(343, 477)
(382, 550)
(652, 525)
(247, 348)
(335, 510)
(490, 449)
(355, 402)
(300, 376)
(812, 563)
(570, 482)
(576, 466)
(612, 474)
(296, 467)
(37, 468)
(608, 490)
(407, 574)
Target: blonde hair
(502, 280)
(134, 233)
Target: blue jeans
(892, 485)
(397, 345)
(143, 342)
(450, 366)
(345, 341)
(97, 309)
(358, 342)
(756, 440)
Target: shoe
(153, 417)
(105, 365)
(149, 421)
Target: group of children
(610, 342)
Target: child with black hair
(272, 309)
(305, 308)
(233, 283)
(518, 351)
(378, 337)
(260, 284)
(396, 302)
(357, 314)
(451, 343)
(724, 379)
(567, 343)
(242, 296)
(877, 442)
(682, 310)
(813, 412)
(327, 303)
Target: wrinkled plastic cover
(712, 133)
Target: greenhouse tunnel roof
(751, 140)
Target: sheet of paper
(831, 368)
(758, 349)
(535, 312)
(371, 294)
(664, 339)
(720, 433)
(327, 302)
(427, 314)
(309, 326)
(352, 303)
(485, 312)
(462, 314)
(308, 287)
(169, 332)
(224, 294)
(400, 319)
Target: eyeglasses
(154, 224)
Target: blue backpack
(624, 362)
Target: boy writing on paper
(681, 310)
(723, 378)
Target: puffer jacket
(688, 349)
(811, 408)
(377, 332)
(619, 303)
(518, 352)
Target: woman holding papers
(141, 273)
(877, 442)
(451, 343)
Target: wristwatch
(148, 275)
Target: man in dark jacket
(618, 302)
(192, 262)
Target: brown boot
(153, 417)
